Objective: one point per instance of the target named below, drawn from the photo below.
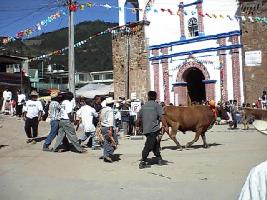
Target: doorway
(195, 86)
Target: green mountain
(95, 55)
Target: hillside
(96, 55)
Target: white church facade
(194, 49)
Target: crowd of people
(101, 119)
(65, 115)
(12, 103)
(108, 116)
(230, 112)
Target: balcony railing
(58, 86)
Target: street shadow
(233, 129)
(197, 146)
(169, 147)
(3, 145)
(166, 139)
(66, 147)
(154, 161)
(40, 139)
(116, 157)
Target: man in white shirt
(255, 187)
(8, 95)
(66, 128)
(107, 123)
(86, 114)
(21, 100)
(9, 101)
(32, 115)
(4, 100)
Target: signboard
(253, 58)
(135, 107)
(133, 95)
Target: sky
(18, 15)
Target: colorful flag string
(125, 29)
(178, 12)
(75, 7)
(37, 27)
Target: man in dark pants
(107, 124)
(233, 110)
(54, 109)
(150, 116)
(32, 115)
(66, 128)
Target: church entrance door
(195, 86)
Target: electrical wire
(43, 8)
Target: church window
(131, 11)
(193, 27)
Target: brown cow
(193, 118)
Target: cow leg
(198, 133)
(173, 137)
(205, 144)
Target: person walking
(4, 100)
(32, 115)
(9, 101)
(264, 99)
(150, 116)
(125, 118)
(54, 111)
(86, 114)
(233, 111)
(107, 123)
(66, 128)
(21, 99)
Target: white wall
(165, 28)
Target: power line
(26, 16)
(51, 5)
(20, 9)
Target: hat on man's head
(117, 105)
(54, 94)
(34, 93)
(104, 104)
(109, 100)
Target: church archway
(195, 86)
(191, 84)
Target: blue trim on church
(220, 48)
(209, 81)
(190, 4)
(185, 83)
(179, 84)
(197, 39)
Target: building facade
(13, 74)
(193, 47)
(254, 39)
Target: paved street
(26, 172)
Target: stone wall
(254, 38)
(130, 51)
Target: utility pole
(21, 79)
(71, 59)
